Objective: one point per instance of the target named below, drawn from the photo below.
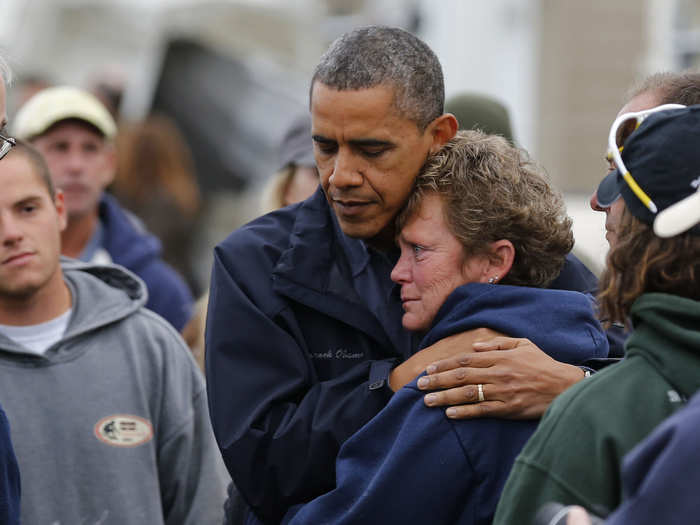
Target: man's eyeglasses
(6, 145)
(622, 128)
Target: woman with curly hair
(481, 237)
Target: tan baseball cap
(54, 104)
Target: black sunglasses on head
(7, 144)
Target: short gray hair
(378, 55)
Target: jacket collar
(318, 249)
(101, 295)
(319, 265)
(356, 251)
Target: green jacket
(575, 455)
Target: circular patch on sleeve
(124, 430)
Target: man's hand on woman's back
(518, 380)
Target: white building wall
(491, 48)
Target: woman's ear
(500, 261)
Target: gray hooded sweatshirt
(111, 425)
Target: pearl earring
(492, 280)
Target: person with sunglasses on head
(658, 486)
(6, 142)
(650, 283)
(10, 486)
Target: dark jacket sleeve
(279, 427)
(405, 466)
(9, 476)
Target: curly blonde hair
(491, 191)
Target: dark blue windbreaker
(296, 360)
(139, 251)
(411, 464)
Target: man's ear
(60, 204)
(442, 129)
(500, 261)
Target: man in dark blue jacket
(304, 333)
(74, 132)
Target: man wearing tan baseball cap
(75, 132)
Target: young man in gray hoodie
(107, 408)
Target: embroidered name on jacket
(124, 430)
(340, 353)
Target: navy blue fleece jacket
(410, 464)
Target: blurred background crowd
(204, 91)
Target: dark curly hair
(493, 190)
